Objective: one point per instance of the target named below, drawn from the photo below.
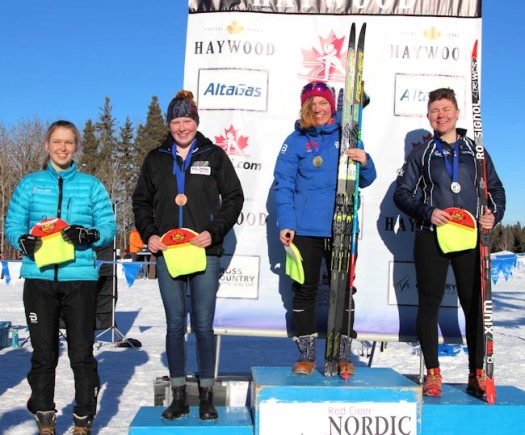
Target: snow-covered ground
(128, 374)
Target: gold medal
(318, 161)
(181, 199)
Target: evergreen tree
(519, 242)
(90, 159)
(150, 135)
(105, 128)
(125, 150)
(126, 154)
(497, 234)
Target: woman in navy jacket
(304, 191)
(69, 288)
(439, 174)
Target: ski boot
(46, 421)
(305, 364)
(83, 425)
(346, 368)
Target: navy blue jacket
(423, 183)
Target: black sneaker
(46, 421)
(83, 425)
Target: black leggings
(431, 272)
(313, 250)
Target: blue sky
(61, 58)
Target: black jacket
(214, 192)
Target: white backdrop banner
(246, 62)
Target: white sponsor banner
(272, 56)
(337, 418)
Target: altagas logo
(326, 62)
(233, 143)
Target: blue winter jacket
(77, 198)
(305, 194)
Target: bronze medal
(181, 199)
(318, 161)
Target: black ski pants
(76, 301)
(313, 250)
(431, 274)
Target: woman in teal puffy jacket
(68, 288)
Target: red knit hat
(318, 89)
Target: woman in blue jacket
(68, 289)
(304, 190)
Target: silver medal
(455, 187)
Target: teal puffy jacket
(77, 198)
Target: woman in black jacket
(188, 182)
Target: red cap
(318, 89)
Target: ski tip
(475, 49)
(491, 398)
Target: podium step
(231, 421)
(374, 400)
(458, 412)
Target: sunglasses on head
(315, 86)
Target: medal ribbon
(316, 150)
(452, 170)
(180, 170)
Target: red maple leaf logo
(424, 139)
(327, 63)
(232, 143)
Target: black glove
(79, 235)
(29, 244)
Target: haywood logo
(427, 44)
(326, 62)
(235, 28)
(238, 41)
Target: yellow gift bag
(182, 258)
(460, 233)
(54, 249)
